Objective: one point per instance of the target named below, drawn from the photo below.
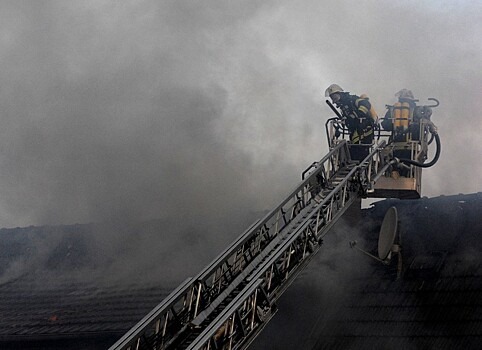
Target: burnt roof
(415, 312)
(79, 285)
(346, 300)
(69, 309)
(343, 300)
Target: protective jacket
(357, 118)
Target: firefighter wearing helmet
(358, 117)
(404, 116)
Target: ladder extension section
(231, 300)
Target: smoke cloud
(203, 111)
(172, 124)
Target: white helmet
(333, 88)
(406, 94)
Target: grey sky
(210, 109)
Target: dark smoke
(146, 110)
(322, 288)
(200, 114)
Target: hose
(434, 160)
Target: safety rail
(242, 319)
(238, 319)
(156, 322)
(272, 250)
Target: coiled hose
(435, 158)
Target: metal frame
(228, 303)
(212, 310)
(407, 186)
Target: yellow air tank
(397, 115)
(405, 117)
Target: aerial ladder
(233, 298)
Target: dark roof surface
(442, 312)
(53, 285)
(67, 309)
(346, 300)
(79, 286)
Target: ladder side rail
(179, 302)
(254, 264)
(239, 334)
(209, 335)
(305, 233)
(289, 260)
(291, 256)
(209, 277)
(343, 149)
(265, 230)
(373, 166)
(153, 317)
(202, 312)
(255, 229)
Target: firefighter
(359, 118)
(404, 117)
(399, 114)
